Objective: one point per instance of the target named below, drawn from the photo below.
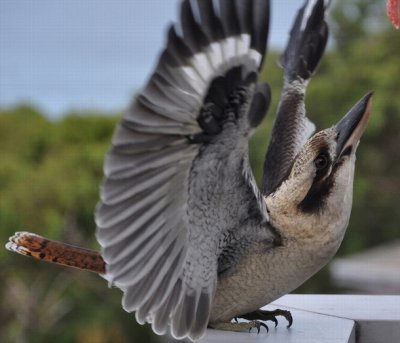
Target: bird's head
(318, 191)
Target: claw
(289, 318)
(269, 315)
(258, 325)
(264, 325)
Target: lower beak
(352, 125)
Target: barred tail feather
(30, 244)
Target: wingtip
(307, 41)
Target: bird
(185, 231)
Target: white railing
(326, 318)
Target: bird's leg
(269, 315)
(243, 326)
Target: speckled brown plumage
(30, 244)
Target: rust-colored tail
(30, 244)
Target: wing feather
(117, 191)
(145, 120)
(157, 247)
(300, 59)
(128, 140)
(150, 252)
(193, 35)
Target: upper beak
(352, 125)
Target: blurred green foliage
(50, 172)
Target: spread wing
(177, 158)
(301, 57)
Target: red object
(393, 12)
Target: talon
(269, 315)
(289, 318)
(265, 325)
(258, 326)
(255, 324)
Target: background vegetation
(50, 173)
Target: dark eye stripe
(314, 201)
(322, 185)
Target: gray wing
(301, 57)
(160, 220)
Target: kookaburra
(185, 232)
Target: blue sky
(63, 55)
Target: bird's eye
(321, 162)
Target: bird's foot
(243, 326)
(269, 315)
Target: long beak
(352, 125)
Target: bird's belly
(262, 277)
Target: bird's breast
(262, 276)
